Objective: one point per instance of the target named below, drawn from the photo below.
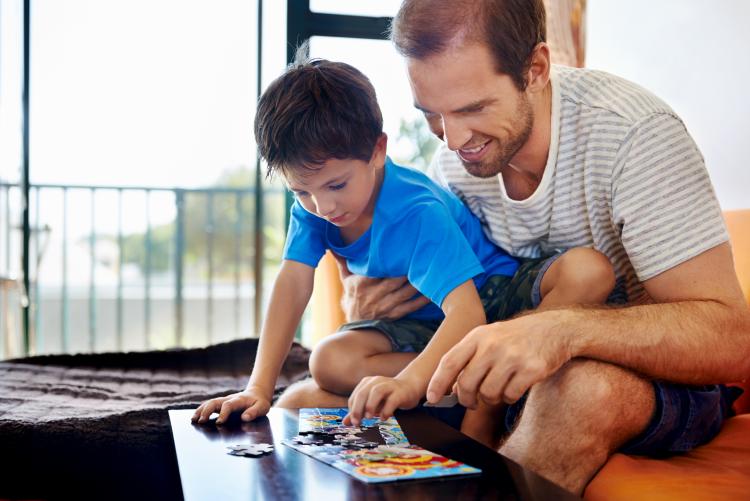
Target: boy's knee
(328, 365)
(589, 270)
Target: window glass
(381, 8)
(410, 142)
(142, 170)
(11, 80)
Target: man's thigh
(668, 418)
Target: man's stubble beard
(498, 160)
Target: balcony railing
(135, 267)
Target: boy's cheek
(309, 207)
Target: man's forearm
(693, 342)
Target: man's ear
(539, 69)
(379, 151)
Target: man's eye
(337, 187)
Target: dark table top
(208, 472)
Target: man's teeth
(473, 150)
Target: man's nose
(455, 134)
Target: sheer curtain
(566, 33)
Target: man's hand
(381, 396)
(252, 401)
(377, 298)
(500, 361)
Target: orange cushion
(717, 470)
(738, 224)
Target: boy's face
(342, 192)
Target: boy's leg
(579, 276)
(340, 361)
(306, 393)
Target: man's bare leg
(575, 419)
(305, 394)
(483, 423)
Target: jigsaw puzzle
(377, 451)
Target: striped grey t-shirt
(623, 176)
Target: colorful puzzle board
(394, 459)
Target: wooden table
(207, 472)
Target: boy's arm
(463, 312)
(381, 396)
(289, 297)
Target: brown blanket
(96, 426)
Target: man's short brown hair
(315, 111)
(511, 29)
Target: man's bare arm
(376, 298)
(698, 332)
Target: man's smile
(474, 153)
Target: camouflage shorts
(502, 297)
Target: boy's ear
(379, 151)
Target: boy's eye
(301, 193)
(337, 187)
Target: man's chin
(482, 169)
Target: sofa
(717, 470)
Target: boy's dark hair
(510, 28)
(315, 111)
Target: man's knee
(599, 395)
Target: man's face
(340, 191)
(479, 113)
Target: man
(549, 159)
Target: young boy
(319, 124)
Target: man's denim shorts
(684, 418)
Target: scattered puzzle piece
(250, 450)
(307, 440)
(447, 401)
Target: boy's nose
(324, 206)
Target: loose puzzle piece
(390, 458)
(447, 401)
(250, 450)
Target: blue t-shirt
(419, 230)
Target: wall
(694, 55)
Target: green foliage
(134, 248)
(225, 221)
(215, 222)
(423, 143)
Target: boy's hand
(381, 396)
(252, 401)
